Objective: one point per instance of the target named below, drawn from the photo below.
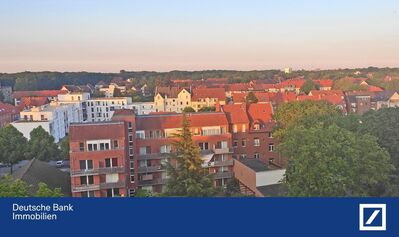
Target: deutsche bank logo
(372, 217)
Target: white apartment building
(102, 109)
(54, 118)
(79, 100)
(142, 108)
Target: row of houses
(118, 157)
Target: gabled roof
(42, 93)
(165, 121)
(238, 87)
(33, 101)
(36, 171)
(236, 113)
(374, 88)
(200, 93)
(7, 108)
(260, 112)
(80, 88)
(169, 91)
(383, 95)
(295, 83)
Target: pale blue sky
(105, 35)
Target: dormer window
(256, 126)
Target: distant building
(102, 109)
(8, 114)
(171, 99)
(142, 108)
(287, 70)
(53, 118)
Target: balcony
(97, 171)
(150, 169)
(155, 181)
(85, 187)
(153, 156)
(223, 175)
(119, 184)
(223, 163)
(219, 151)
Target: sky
(165, 35)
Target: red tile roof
(374, 88)
(102, 130)
(324, 82)
(238, 87)
(200, 93)
(295, 83)
(42, 93)
(7, 108)
(261, 112)
(164, 121)
(236, 113)
(33, 101)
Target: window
(111, 162)
(86, 164)
(270, 135)
(256, 142)
(113, 192)
(243, 143)
(256, 126)
(235, 143)
(271, 160)
(145, 150)
(116, 144)
(244, 128)
(243, 156)
(204, 145)
(81, 146)
(87, 194)
(271, 147)
(234, 128)
(211, 131)
(165, 149)
(140, 134)
(85, 180)
(256, 156)
(42, 117)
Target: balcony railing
(223, 163)
(119, 184)
(85, 187)
(218, 151)
(153, 156)
(150, 169)
(223, 175)
(155, 181)
(96, 171)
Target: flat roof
(254, 164)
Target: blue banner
(199, 217)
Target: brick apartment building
(99, 159)
(251, 127)
(130, 152)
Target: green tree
(45, 191)
(188, 109)
(384, 124)
(12, 146)
(143, 193)
(251, 98)
(309, 85)
(13, 188)
(41, 145)
(331, 161)
(306, 113)
(64, 146)
(188, 177)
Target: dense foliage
(18, 188)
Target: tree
(10, 187)
(309, 85)
(251, 98)
(188, 177)
(296, 113)
(188, 109)
(41, 145)
(331, 161)
(45, 191)
(64, 146)
(384, 124)
(13, 188)
(12, 146)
